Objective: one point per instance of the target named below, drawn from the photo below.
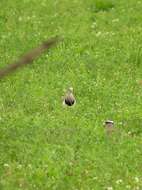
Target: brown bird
(109, 126)
(69, 98)
(28, 57)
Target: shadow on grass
(102, 5)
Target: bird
(29, 57)
(69, 98)
(109, 126)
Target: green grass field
(44, 146)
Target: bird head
(70, 90)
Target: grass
(42, 145)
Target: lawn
(44, 146)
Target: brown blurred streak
(29, 57)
